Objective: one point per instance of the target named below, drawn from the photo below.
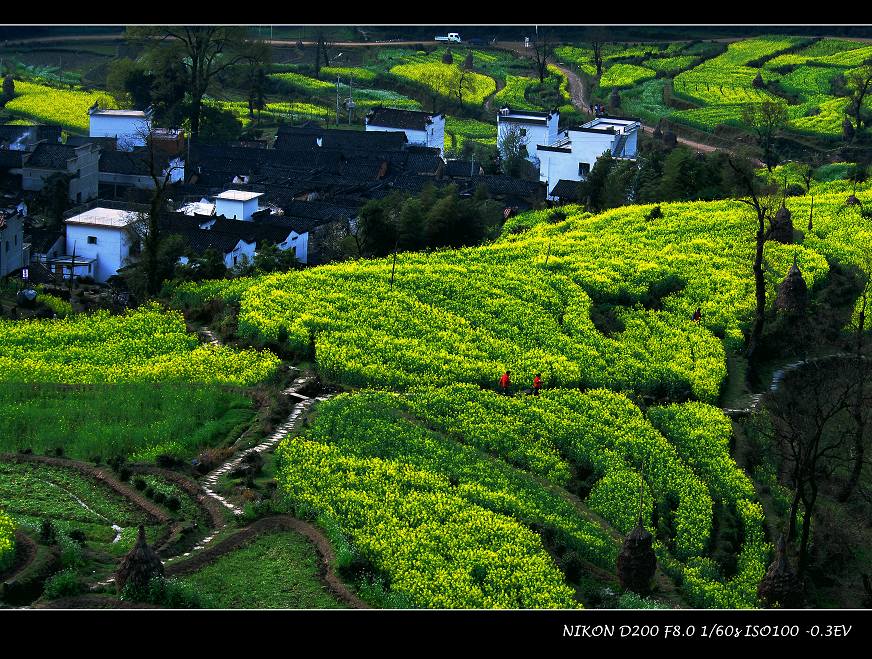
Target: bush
(124, 474)
(173, 503)
(139, 483)
(167, 461)
(163, 592)
(78, 535)
(159, 497)
(149, 492)
(65, 583)
(47, 532)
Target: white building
(572, 155)
(129, 127)
(534, 128)
(13, 251)
(423, 128)
(237, 204)
(103, 238)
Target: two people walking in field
(506, 383)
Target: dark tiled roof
(132, 163)
(506, 185)
(566, 190)
(10, 159)
(462, 168)
(49, 133)
(42, 239)
(103, 142)
(51, 156)
(224, 234)
(305, 138)
(395, 118)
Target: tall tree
(808, 413)
(742, 178)
(205, 52)
(861, 405)
(859, 84)
(543, 47)
(766, 120)
(162, 172)
(597, 45)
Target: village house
(13, 250)
(237, 204)
(131, 169)
(130, 128)
(572, 155)
(102, 241)
(533, 128)
(79, 164)
(422, 128)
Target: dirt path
(25, 553)
(273, 524)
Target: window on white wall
(583, 168)
(92, 240)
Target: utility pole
(337, 99)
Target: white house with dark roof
(237, 204)
(129, 127)
(102, 241)
(81, 164)
(424, 128)
(533, 127)
(572, 155)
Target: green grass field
(275, 571)
(136, 420)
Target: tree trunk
(794, 508)
(759, 288)
(806, 529)
(857, 412)
(196, 106)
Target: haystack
(782, 226)
(637, 561)
(792, 295)
(140, 565)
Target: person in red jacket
(505, 382)
(537, 384)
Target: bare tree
(464, 83)
(754, 194)
(807, 413)
(543, 47)
(323, 49)
(861, 405)
(597, 45)
(162, 170)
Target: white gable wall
(299, 243)
(532, 133)
(433, 136)
(110, 251)
(234, 209)
(130, 131)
